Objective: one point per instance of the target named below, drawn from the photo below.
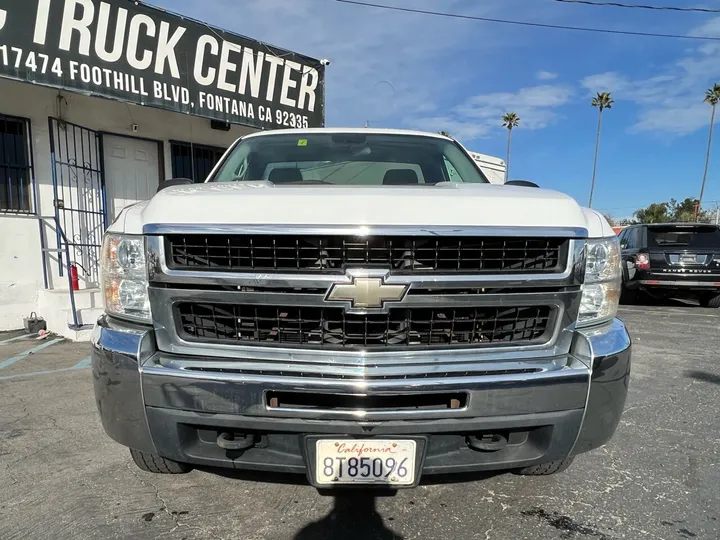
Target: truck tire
(710, 301)
(159, 465)
(547, 469)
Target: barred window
(193, 161)
(15, 165)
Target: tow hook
(490, 442)
(231, 441)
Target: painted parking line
(11, 361)
(18, 338)
(83, 364)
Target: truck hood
(459, 205)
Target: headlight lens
(125, 277)
(603, 279)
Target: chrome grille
(333, 328)
(330, 254)
(266, 307)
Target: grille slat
(331, 254)
(365, 377)
(332, 328)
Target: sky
(406, 70)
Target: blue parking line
(17, 338)
(11, 361)
(83, 364)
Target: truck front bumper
(147, 403)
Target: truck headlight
(603, 279)
(124, 277)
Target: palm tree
(445, 134)
(603, 100)
(510, 120)
(712, 96)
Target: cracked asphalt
(659, 478)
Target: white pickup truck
(338, 304)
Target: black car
(679, 260)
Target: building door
(132, 171)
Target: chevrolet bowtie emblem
(366, 293)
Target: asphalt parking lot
(659, 478)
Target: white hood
(461, 205)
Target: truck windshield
(693, 237)
(348, 159)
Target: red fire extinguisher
(74, 277)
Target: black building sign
(125, 50)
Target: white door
(132, 172)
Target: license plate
(369, 461)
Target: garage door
(132, 172)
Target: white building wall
(20, 251)
(21, 278)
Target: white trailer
(494, 168)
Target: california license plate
(368, 461)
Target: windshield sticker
(302, 142)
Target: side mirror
(522, 183)
(174, 182)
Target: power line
(640, 6)
(527, 23)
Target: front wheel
(547, 469)
(156, 464)
(710, 300)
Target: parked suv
(680, 260)
(362, 307)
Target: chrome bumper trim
(662, 282)
(159, 366)
(221, 393)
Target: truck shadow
(353, 516)
(256, 476)
(295, 479)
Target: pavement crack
(159, 497)
(11, 422)
(38, 451)
(10, 474)
(165, 507)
